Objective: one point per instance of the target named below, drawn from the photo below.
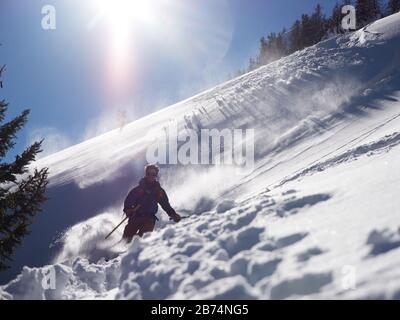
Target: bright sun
(123, 16)
(122, 20)
(187, 32)
(127, 12)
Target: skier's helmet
(151, 167)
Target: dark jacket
(148, 196)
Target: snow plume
(195, 188)
(318, 99)
(104, 166)
(311, 110)
(331, 97)
(111, 167)
(53, 140)
(87, 239)
(114, 118)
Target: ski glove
(130, 212)
(176, 217)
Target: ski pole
(184, 217)
(134, 210)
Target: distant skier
(148, 194)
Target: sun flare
(123, 17)
(197, 37)
(127, 12)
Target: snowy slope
(317, 218)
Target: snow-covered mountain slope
(318, 217)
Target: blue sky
(77, 80)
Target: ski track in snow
(317, 218)
(373, 148)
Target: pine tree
(21, 193)
(295, 37)
(310, 30)
(271, 49)
(335, 21)
(281, 44)
(252, 64)
(262, 56)
(367, 11)
(283, 38)
(307, 31)
(393, 6)
(375, 7)
(318, 25)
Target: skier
(147, 195)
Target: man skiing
(141, 205)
